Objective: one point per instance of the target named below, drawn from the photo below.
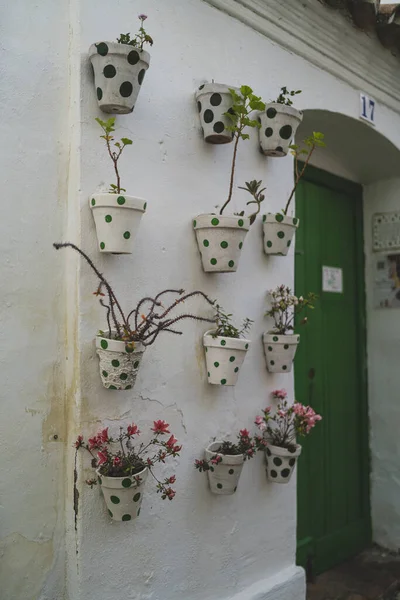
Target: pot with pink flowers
(223, 461)
(122, 466)
(279, 433)
(280, 343)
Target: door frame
(324, 178)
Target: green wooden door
(330, 374)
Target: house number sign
(386, 231)
(367, 108)
(332, 280)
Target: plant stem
(298, 177)
(232, 173)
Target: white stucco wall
(198, 547)
(34, 101)
(384, 381)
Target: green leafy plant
(316, 140)
(284, 96)
(114, 153)
(245, 446)
(244, 103)
(285, 306)
(253, 188)
(139, 39)
(225, 326)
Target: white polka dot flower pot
(213, 100)
(279, 124)
(119, 70)
(278, 230)
(123, 495)
(224, 358)
(119, 362)
(220, 240)
(224, 477)
(281, 462)
(117, 218)
(280, 351)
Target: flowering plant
(285, 306)
(288, 422)
(118, 457)
(139, 39)
(244, 446)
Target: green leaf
(246, 91)
(126, 141)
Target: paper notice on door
(332, 280)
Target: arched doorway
(334, 516)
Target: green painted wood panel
(330, 374)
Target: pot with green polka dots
(220, 241)
(119, 70)
(224, 476)
(119, 362)
(224, 358)
(279, 124)
(213, 100)
(281, 462)
(280, 351)
(278, 230)
(123, 495)
(117, 218)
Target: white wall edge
(311, 30)
(288, 584)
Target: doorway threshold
(372, 575)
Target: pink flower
(133, 429)
(216, 459)
(142, 17)
(258, 420)
(169, 493)
(117, 461)
(103, 436)
(79, 441)
(94, 442)
(102, 457)
(281, 394)
(160, 427)
(244, 433)
(172, 479)
(281, 413)
(171, 442)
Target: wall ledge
(317, 34)
(288, 584)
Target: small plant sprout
(316, 140)
(285, 95)
(139, 39)
(150, 316)
(253, 188)
(114, 153)
(244, 103)
(285, 306)
(225, 328)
